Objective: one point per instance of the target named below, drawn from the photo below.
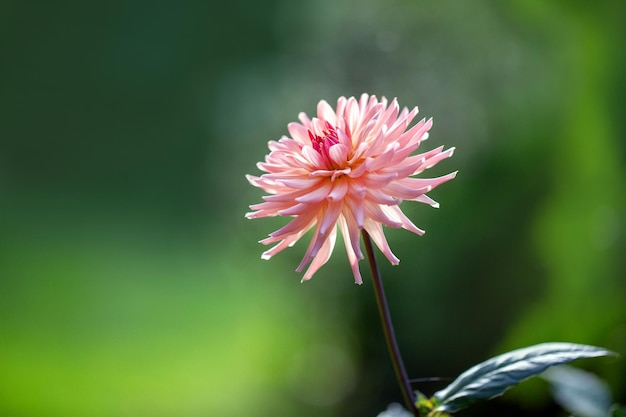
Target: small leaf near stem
(390, 336)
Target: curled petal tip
(252, 179)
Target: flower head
(349, 168)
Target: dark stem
(390, 336)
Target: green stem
(390, 336)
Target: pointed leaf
(579, 392)
(493, 377)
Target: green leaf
(581, 393)
(493, 377)
(618, 411)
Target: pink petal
(338, 154)
(372, 180)
(398, 189)
(312, 156)
(301, 182)
(329, 218)
(375, 231)
(340, 189)
(354, 230)
(285, 243)
(349, 241)
(295, 226)
(304, 119)
(381, 198)
(426, 200)
(299, 133)
(316, 194)
(431, 162)
(322, 257)
(296, 210)
(376, 213)
(326, 113)
(395, 214)
(356, 210)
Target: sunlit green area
(131, 284)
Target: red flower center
(323, 143)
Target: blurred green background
(132, 285)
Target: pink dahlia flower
(348, 168)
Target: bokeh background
(132, 285)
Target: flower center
(323, 143)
